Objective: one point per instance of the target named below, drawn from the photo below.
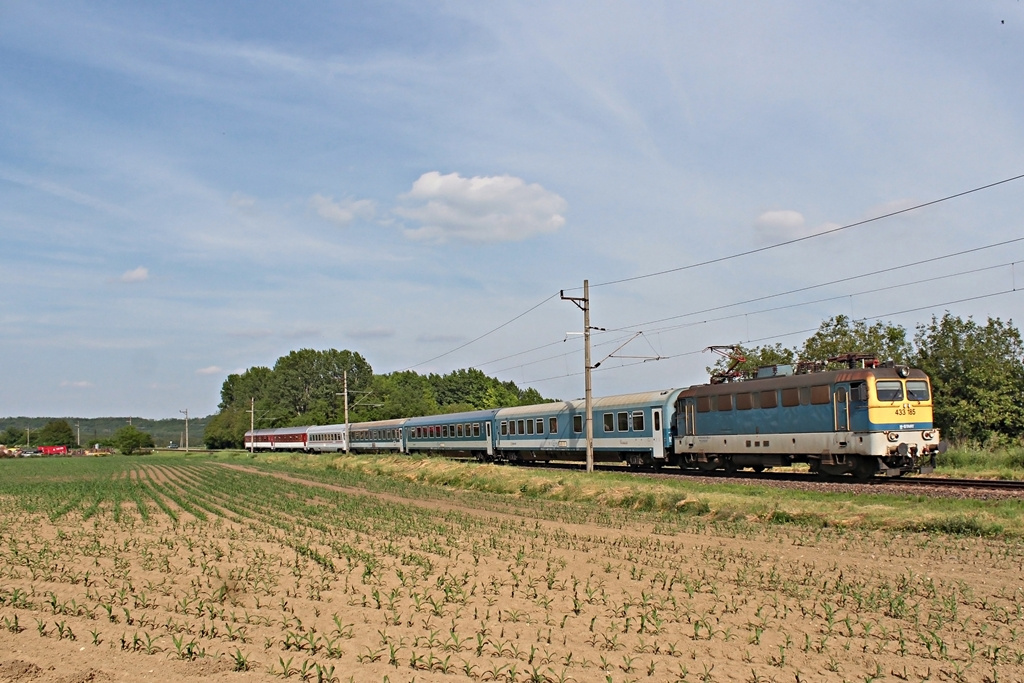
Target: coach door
(490, 444)
(841, 401)
(659, 435)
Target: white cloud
(344, 212)
(76, 385)
(480, 209)
(211, 370)
(140, 274)
(780, 225)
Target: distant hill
(96, 429)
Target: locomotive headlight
(927, 435)
(903, 370)
(892, 436)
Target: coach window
(821, 395)
(444, 431)
(769, 399)
(703, 404)
(609, 422)
(512, 427)
(504, 428)
(623, 422)
(743, 402)
(540, 425)
(552, 425)
(790, 397)
(889, 391)
(577, 424)
(476, 429)
(458, 430)
(638, 420)
(725, 402)
(529, 426)
(521, 427)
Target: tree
(12, 436)
(308, 379)
(129, 439)
(56, 433)
(756, 357)
(839, 335)
(977, 377)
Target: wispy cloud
(140, 274)
(372, 333)
(210, 370)
(480, 209)
(80, 384)
(345, 211)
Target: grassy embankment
(553, 493)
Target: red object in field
(53, 450)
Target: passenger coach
(630, 428)
(464, 434)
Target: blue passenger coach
(384, 436)
(630, 428)
(467, 434)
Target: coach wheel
(758, 468)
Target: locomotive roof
(801, 380)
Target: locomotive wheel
(865, 468)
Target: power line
(790, 334)
(902, 266)
(485, 334)
(725, 258)
(810, 237)
(706, 321)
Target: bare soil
(487, 596)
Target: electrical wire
(810, 237)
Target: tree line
(977, 370)
(306, 386)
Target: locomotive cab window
(889, 390)
(917, 390)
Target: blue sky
(191, 189)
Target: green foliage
(12, 436)
(757, 357)
(839, 335)
(55, 433)
(304, 388)
(129, 439)
(977, 376)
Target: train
(866, 419)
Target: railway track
(806, 479)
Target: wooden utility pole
(583, 303)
